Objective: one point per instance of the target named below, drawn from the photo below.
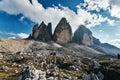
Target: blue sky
(102, 17)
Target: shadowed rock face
(83, 36)
(96, 41)
(63, 32)
(42, 32)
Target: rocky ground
(51, 61)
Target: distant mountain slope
(111, 48)
(12, 45)
(106, 49)
(83, 50)
(83, 36)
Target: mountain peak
(63, 22)
(63, 19)
(84, 29)
(42, 24)
(63, 32)
(83, 36)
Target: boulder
(63, 32)
(83, 36)
(100, 75)
(30, 73)
(5, 68)
(90, 76)
(96, 65)
(1, 56)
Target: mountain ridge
(63, 36)
(82, 36)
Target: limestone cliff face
(42, 32)
(35, 31)
(63, 32)
(83, 36)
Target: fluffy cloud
(115, 8)
(21, 18)
(100, 30)
(22, 35)
(97, 5)
(37, 13)
(112, 6)
(115, 42)
(15, 35)
(115, 2)
(115, 11)
(118, 35)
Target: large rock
(83, 36)
(63, 32)
(90, 76)
(42, 32)
(30, 73)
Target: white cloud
(103, 37)
(21, 18)
(115, 11)
(8, 33)
(115, 2)
(111, 22)
(22, 35)
(97, 5)
(115, 42)
(37, 13)
(115, 8)
(15, 35)
(118, 35)
(100, 30)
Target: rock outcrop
(42, 32)
(63, 32)
(30, 73)
(83, 36)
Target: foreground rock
(30, 73)
(63, 32)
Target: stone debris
(30, 73)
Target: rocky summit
(42, 32)
(63, 35)
(63, 32)
(83, 36)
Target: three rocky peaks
(62, 33)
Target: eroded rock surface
(42, 32)
(83, 36)
(63, 32)
(30, 73)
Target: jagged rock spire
(63, 32)
(42, 32)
